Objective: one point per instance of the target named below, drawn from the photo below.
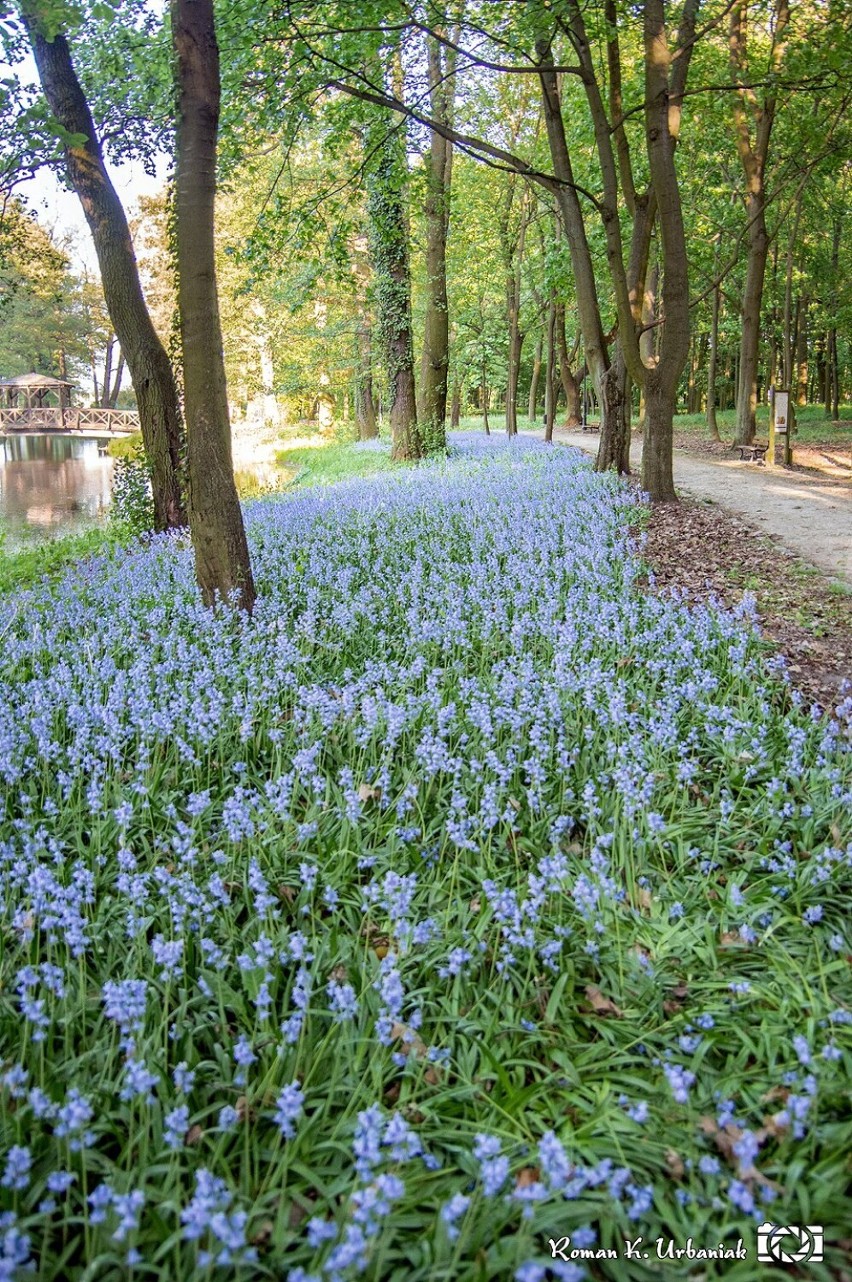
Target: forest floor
(785, 537)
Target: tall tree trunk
(754, 154)
(657, 448)
(222, 563)
(570, 385)
(614, 446)
(828, 374)
(758, 248)
(436, 350)
(573, 226)
(692, 376)
(801, 378)
(661, 126)
(112, 399)
(832, 399)
(712, 424)
(514, 253)
(536, 374)
(386, 205)
(150, 368)
(105, 390)
(455, 411)
(96, 387)
(665, 81)
(483, 393)
(365, 408)
(550, 375)
(788, 338)
(516, 339)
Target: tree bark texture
(536, 374)
(614, 444)
(516, 340)
(512, 242)
(222, 563)
(455, 411)
(366, 419)
(389, 246)
(801, 373)
(665, 82)
(436, 346)
(150, 368)
(573, 225)
(832, 401)
(550, 373)
(754, 154)
(662, 119)
(570, 384)
(365, 406)
(712, 423)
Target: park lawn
(27, 565)
(324, 462)
(812, 427)
(468, 895)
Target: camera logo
(789, 1243)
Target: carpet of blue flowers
(468, 895)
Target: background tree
(43, 326)
(388, 221)
(150, 369)
(216, 525)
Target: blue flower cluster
(421, 917)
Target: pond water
(51, 485)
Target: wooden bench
(753, 453)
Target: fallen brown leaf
(600, 1004)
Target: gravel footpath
(809, 516)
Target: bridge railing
(53, 419)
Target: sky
(60, 210)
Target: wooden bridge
(69, 420)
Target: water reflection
(52, 484)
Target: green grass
(811, 424)
(812, 427)
(126, 446)
(323, 464)
(26, 566)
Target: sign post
(780, 424)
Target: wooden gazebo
(35, 392)
(38, 403)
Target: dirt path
(809, 516)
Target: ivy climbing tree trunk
(149, 366)
(436, 349)
(222, 563)
(386, 207)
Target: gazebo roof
(35, 380)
